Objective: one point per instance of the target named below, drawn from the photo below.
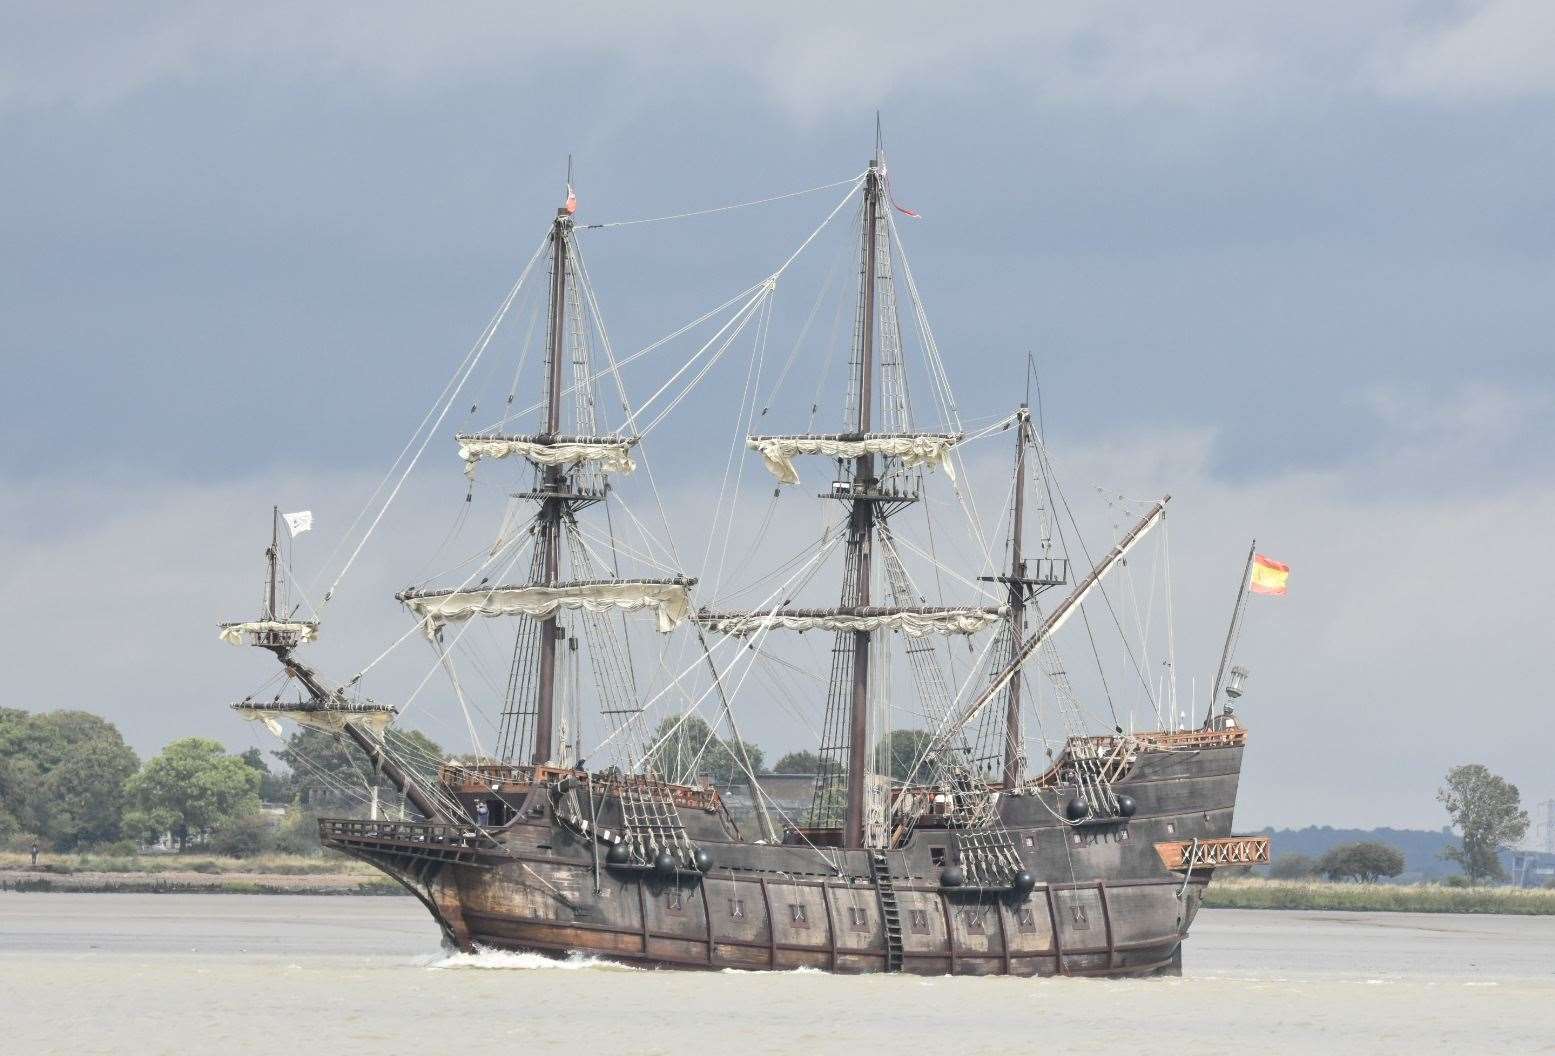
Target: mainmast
(553, 505)
(861, 529)
(1014, 736)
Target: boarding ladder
(890, 914)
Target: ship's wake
(491, 959)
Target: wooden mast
(553, 505)
(1014, 736)
(862, 528)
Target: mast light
(1236, 682)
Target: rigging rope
(721, 208)
(462, 375)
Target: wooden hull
(1105, 903)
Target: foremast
(324, 707)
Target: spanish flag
(1269, 575)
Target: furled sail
(914, 449)
(669, 597)
(330, 715)
(915, 622)
(262, 631)
(611, 452)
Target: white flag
(299, 522)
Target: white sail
(670, 599)
(612, 455)
(234, 633)
(916, 623)
(914, 449)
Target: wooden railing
(1180, 855)
(479, 777)
(421, 833)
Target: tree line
(69, 782)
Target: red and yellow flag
(1269, 576)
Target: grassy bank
(272, 874)
(1227, 893)
(193, 862)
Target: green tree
(328, 769)
(1367, 862)
(273, 787)
(1293, 867)
(906, 748)
(1487, 810)
(690, 749)
(62, 776)
(190, 788)
(243, 835)
(798, 763)
(298, 833)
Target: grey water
(232, 974)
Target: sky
(1292, 265)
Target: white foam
(507, 960)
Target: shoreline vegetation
(270, 874)
(281, 874)
(1256, 893)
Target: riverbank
(1253, 893)
(194, 874)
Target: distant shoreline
(271, 874)
(1254, 893)
(173, 882)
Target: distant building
(1541, 834)
(787, 797)
(1531, 868)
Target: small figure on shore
(35, 856)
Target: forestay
(669, 598)
(914, 622)
(612, 453)
(914, 449)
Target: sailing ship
(575, 830)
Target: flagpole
(1236, 620)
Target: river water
(296, 975)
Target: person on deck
(481, 813)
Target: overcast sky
(1292, 264)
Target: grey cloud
(805, 55)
